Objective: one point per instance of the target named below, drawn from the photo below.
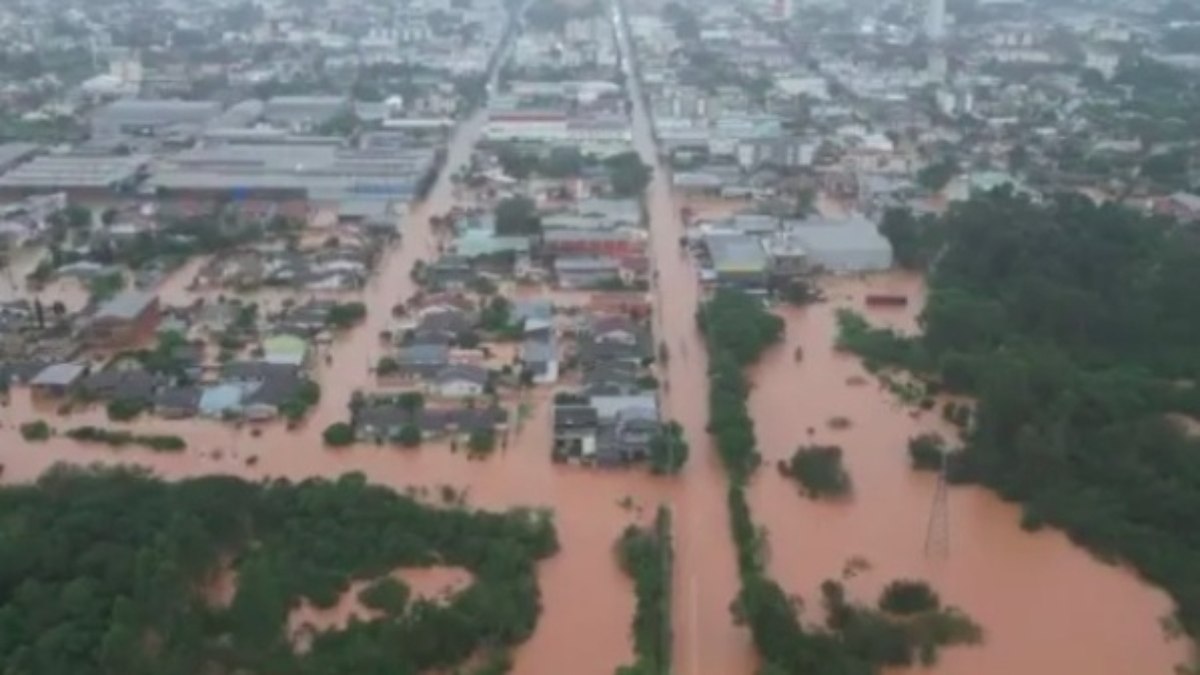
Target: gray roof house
(461, 380)
(424, 361)
(540, 358)
(57, 379)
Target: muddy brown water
(1046, 605)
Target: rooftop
(80, 171)
(59, 375)
(736, 253)
(126, 306)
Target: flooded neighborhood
(476, 283)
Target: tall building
(935, 20)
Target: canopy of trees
(105, 571)
(668, 449)
(819, 471)
(339, 435)
(646, 555)
(1075, 327)
(627, 174)
(517, 216)
(738, 329)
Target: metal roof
(736, 253)
(59, 375)
(74, 171)
(126, 306)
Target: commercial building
(289, 176)
(850, 245)
(152, 118)
(81, 176)
(738, 260)
(303, 113)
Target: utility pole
(937, 531)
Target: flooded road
(1046, 606)
(706, 579)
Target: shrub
(339, 435)
(818, 469)
(35, 431)
(122, 410)
(388, 595)
(904, 597)
(410, 436)
(482, 441)
(927, 452)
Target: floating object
(887, 300)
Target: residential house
(123, 321)
(58, 379)
(422, 361)
(449, 273)
(460, 381)
(540, 358)
(285, 350)
(386, 422)
(177, 402)
(442, 328)
(133, 384)
(586, 272)
(576, 425)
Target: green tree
(517, 215)
(482, 441)
(388, 595)
(124, 409)
(627, 174)
(339, 434)
(905, 597)
(668, 449)
(410, 435)
(35, 431)
(937, 175)
(818, 469)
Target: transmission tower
(937, 532)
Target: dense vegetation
(856, 640)
(387, 595)
(36, 431)
(107, 571)
(646, 555)
(927, 452)
(906, 597)
(819, 471)
(1075, 328)
(627, 175)
(668, 449)
(345, 315)
(338, 435)
(120, 439)
(738, 329)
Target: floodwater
(999, 574)
(587, 600)
(436, 584)
(1046, 605)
